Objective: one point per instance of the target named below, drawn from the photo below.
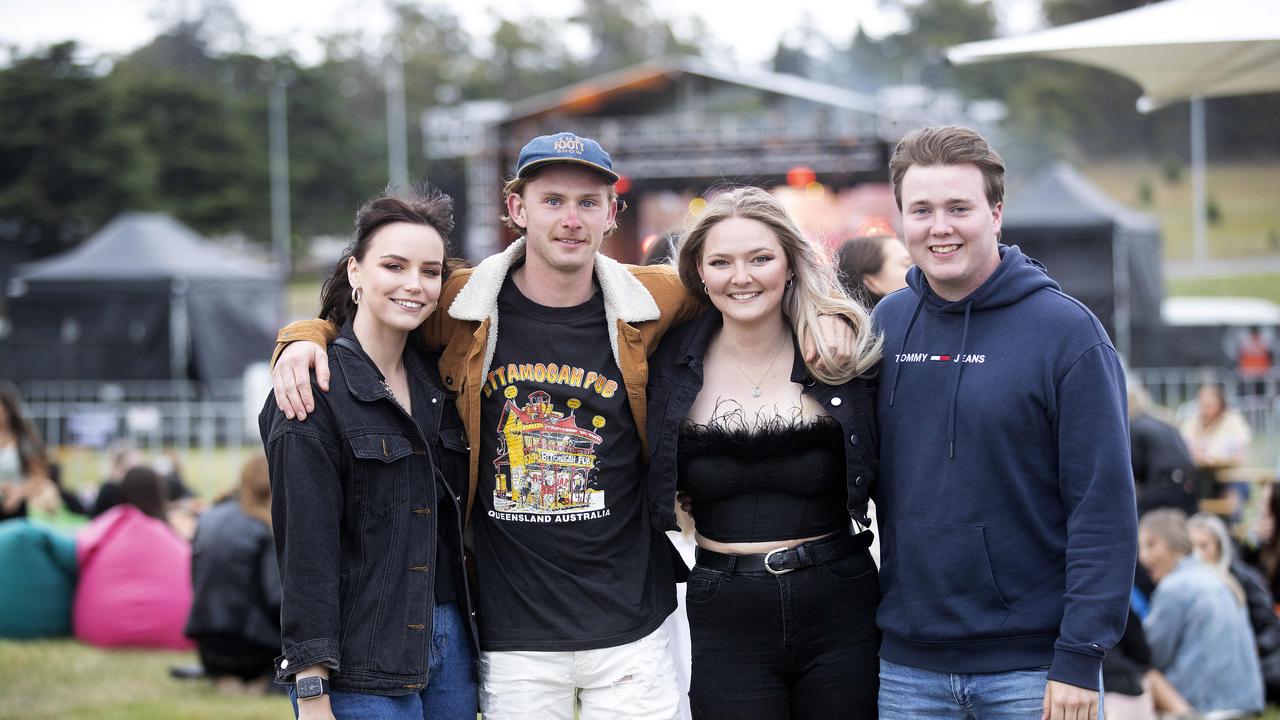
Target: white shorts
(636, 680)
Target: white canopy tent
(1175, 50)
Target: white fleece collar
(625, 297)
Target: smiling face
(745, 270)
(950, 228)
(399, 277)
(564, 211)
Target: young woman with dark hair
(375, 617)
(873, 263)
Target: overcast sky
(749, 29)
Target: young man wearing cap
(574, 576)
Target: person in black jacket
(1213, 545)
(366, 492)
(777, 459)
(1163, 471)
(235, 609)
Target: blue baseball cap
(564, 147)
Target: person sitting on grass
(135, 572)
(1197, 629)
(235, 612)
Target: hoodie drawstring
(955, 390)
(897, 367)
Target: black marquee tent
(1101, 252)
(146, 298)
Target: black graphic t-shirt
(565, 554)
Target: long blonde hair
(1213, 525)
(1171, 526)
(815, 290)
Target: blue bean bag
(37, 580)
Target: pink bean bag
(135, 582)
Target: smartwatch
(311, 687)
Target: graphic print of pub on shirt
(546, 452)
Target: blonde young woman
(777, 459)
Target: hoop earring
(704, 290)
(355, 295)
(790, 281)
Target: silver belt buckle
(771, 554)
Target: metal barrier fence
(149, 415)
(1257, 398)
(155, 415)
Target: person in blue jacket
(1005, 499)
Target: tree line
(180, 124)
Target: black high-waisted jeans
(801, 645)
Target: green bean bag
(37, 580)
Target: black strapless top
(780, 481)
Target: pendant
(755, 392)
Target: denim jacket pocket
(382, 464)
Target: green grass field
(1260, 286)
(208, 473)
(1245, 195)
(65, 680)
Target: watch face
(309, 687)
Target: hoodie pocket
(948, 589)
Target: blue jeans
(908, 693)
(450, 693)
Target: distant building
(675, 128)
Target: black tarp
(144, 298)
(1102, 253)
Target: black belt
(784, 560)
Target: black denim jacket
(354, 512)
(675, 378)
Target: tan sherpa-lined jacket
(641, 304)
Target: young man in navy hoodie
(1005, 500)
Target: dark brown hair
(421, 205)
(144, 489)
(948, 145)
(855, 260)
(31, 450)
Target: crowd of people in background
(145, 561)
(118, 567)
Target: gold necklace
(755, 384)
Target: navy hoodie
(1005, 502)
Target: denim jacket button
(836, 401)
(284, 664)
(858, 481)
(433, 401)
(853, 439)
